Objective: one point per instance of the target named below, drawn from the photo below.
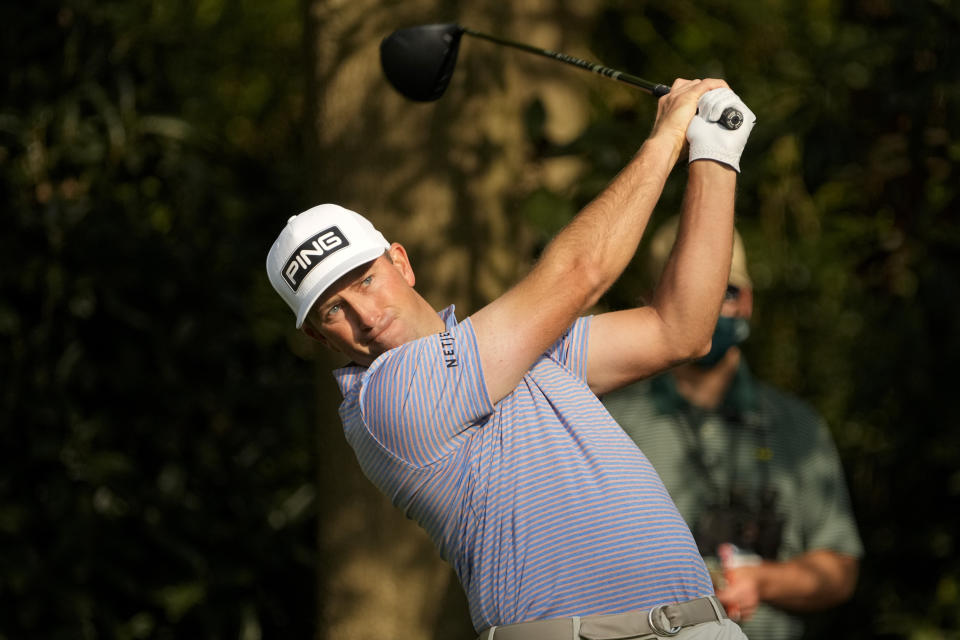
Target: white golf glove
(710, 140)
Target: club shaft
(730, 119)
(650, 87)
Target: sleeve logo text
(448, 349)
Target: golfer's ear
(316, 335)
(398, 256)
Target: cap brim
(361, 258)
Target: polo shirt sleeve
(418, 399)
(571, 349)
(829, 520)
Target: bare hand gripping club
(419, 61)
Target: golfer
(488, 432)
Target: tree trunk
(440, 178)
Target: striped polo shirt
(540, 502)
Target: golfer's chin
(393, 336)
(373, 351)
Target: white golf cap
(316, 248)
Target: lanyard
(692, 420)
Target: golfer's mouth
(374, 337)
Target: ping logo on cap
(311, 253)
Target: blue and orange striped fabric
(541, 503)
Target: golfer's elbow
(688, 345)
(692, 350)
(580, 279)
(594, 281)
(701, 350)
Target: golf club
(418, 61)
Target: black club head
(419, 61)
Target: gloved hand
(710, 140)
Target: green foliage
(157, 460)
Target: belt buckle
(657, 629)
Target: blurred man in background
(753, 470)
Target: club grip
(731, 118)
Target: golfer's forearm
(691, 287)
(811, 582)
(602, 239)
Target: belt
(665, 621)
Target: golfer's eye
(332, 311)
(367, 280)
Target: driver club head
(419, 61)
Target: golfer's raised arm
(587, 256)
(678, 323)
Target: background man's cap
(316, 248)
(663, 241)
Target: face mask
(729, 333)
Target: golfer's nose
(366, 311)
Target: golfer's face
(366, 312)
